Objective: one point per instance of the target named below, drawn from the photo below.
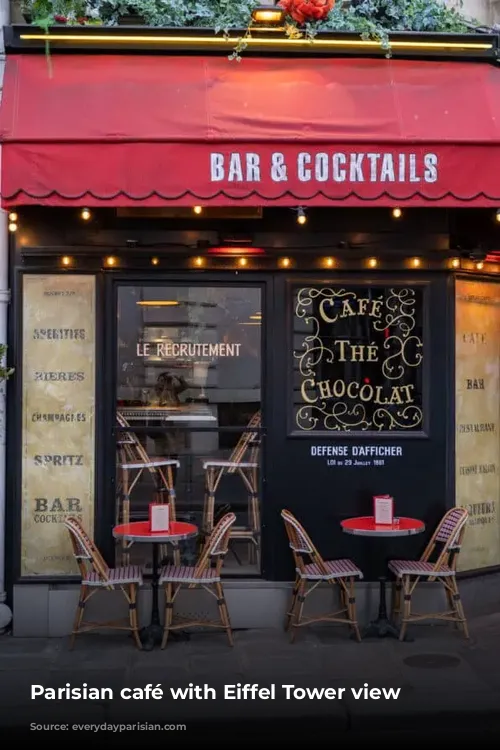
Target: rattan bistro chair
(96, 575)
(309, 575)
(244, 462)
(204, 574)
(448, 537)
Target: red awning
(150, 130)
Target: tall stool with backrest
(447, 541)
(309, 575)
(243, 461)
(207, 574)
(97, 576)
(133, 461)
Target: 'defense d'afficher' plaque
(58, 418)
(477, 436)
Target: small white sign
(159, 518)
(383, 509)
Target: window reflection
(189, 395)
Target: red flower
(60, 19)
(307, 10)
(82, 20)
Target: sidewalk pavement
(446, 682)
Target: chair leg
(80, 609)
(351, 609)
(169, 613)
(132, 605)
(458, 607)
(406, 607)
(224, 614)
(396, 599)
(299, 607)
(289, 614)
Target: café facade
(291, 261)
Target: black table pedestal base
(152, 635)
(382, 627)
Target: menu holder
(159, 517)
(383, 510)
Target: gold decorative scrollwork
(339, 417)
(392, 314)
(400, 307)
(396, 372)
(400, 419)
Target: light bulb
(479, 265)
(155, 261)
(111, 261)
(415, 262)
(66, 260)
(455, 263)
(13, 216)
(397, 213)
(198, 261)
(242, 262)
(329, 262)
(85, 214)
(301, 216)
(372, 262)
(198, 209)
(12, 227)
(497, 215)
(285, 262)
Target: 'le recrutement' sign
(323, 166)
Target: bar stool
(244, 462)
(162, 472)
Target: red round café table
(138, 532)
(366, 526)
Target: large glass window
(358, 359)
(189, 391)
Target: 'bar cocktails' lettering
(323, 167)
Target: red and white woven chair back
(299, 539)
(219, 538)
(247, 439)
(451, 525)
(85, 551)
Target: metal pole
(5, 612)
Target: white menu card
(159, 517)
(383, 509)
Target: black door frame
(104, 512)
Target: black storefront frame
(191, 278)
(276, 314)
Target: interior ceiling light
(265, 14)
(455, 263)
(479, 265)
(257, 316)
(234, 250)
